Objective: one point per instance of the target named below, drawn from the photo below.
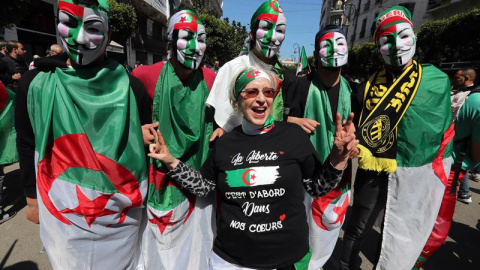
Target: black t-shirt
(297, 107)
(263, 223)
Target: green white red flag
(91, 167)
(303, 67)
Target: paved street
(20, 247)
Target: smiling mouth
(259, 111)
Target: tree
(12, 12)
(224, 40)
(362, 60)
(123, 20)
(450, 40)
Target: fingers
(349, 127)
(217, 133)
(338, 123)
(152, 148)
(307, 130)
(354, 153)
(160, 139)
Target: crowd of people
(246, 166)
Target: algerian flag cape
(415, 190)
(8, 134)
(219, 97)
(179, 233)
(91, 166)
(303, 67)
(326, 213)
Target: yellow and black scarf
(383, 108)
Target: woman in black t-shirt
(260, 171)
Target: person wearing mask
(177, 221)
(405, 131)
(81, 149)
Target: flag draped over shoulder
(179, 233)
(423, 160)
(91, 166)
(327, 212)
(8, 135)
(303, 66)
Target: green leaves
(449, 40)
(123, 20)
(224, 39)
(362, 60)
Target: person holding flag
(179, 232)
(80, 131)
(257, 171)
(320, 96)
(303, 67)
(8, 149)
(267, 32)
(405, 130)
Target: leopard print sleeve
(324, 181)
(191, 180)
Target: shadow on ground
(27, 265)
(462, 253)
(14, 196)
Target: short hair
(12, 44)
(470, 72)
(3, 43)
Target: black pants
(370, 196)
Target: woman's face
(256, 109)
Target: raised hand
(159, 151)
(344, 143)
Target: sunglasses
(253, 92)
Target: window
(364, 26)
(337, 20)
(410, 6)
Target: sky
(303, 19)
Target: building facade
(357, 16)
(148, 44)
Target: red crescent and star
(252, 177)
(75, 150)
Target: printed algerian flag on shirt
(254, 176)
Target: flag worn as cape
(91, 166)
(179, 232)
(8, 134)
(303, 66)
(327, 212)
(423, 164)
